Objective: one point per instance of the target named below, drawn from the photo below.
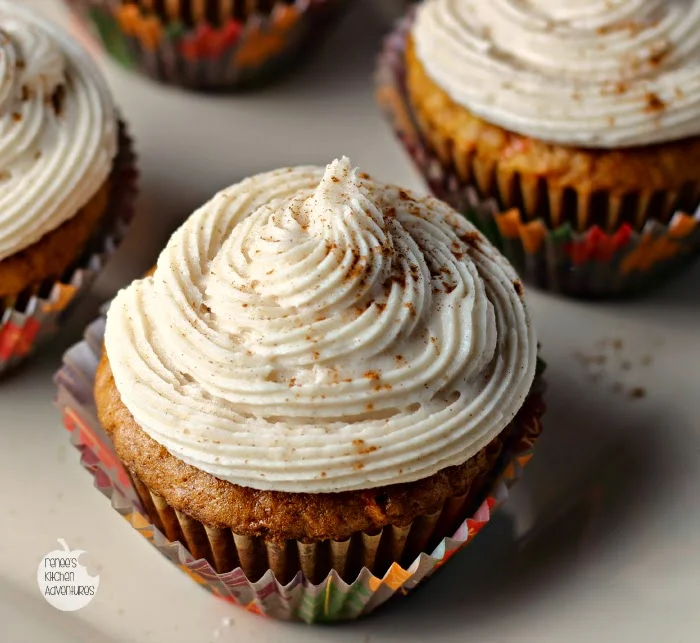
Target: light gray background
(599, 542)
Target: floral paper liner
(236, 55)
(299, 600)
(34, 317)
(592, 263)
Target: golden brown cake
(59, 139)
(322, 372)
(570, 118)
(53, 254)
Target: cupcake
(66, 184)
(323, 374)
(214, 45)
(579, 122)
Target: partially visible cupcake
(581, 117)
(321, 374)
(212, 44)
(67, 177)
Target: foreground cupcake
(580, 117)
(321, 374)
(220, 44)
(66, 182)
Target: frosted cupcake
(212, 44)
(66, 181)
(577, 115)
(321, 373)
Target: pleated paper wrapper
(33, 317)
(592, 263)
(239, 54)
(331, 599)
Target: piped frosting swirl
(58, 129)
(589, 73)
(313, 330)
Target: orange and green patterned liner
(232, 56)
(589, 264)
(33, 317)
(330, 600)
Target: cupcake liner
(639, 254)
(235, 55)
(35, 315)
(260, 581)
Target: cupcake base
(237, 55)
(36, 313)
(263, 579)
(591, 263)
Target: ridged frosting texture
(312, 330)
(58, 130)
(589, 73)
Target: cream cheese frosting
(589, 73)
(58, 128)
(313, 330)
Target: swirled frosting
(589, 73)
(58, 129)
(312, 330)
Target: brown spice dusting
(16, 117)
(637, 393)
(634, 27)
(25, 93)
(614, 89)
(471, 239)
(335, 179)
(518, 287)
(316, 355)
(657, 57)
(654, 103)
(292, 382)
(411, 308)
(369, 407)
(57, 100)
(323, 474)
(399, 358)
(403, 195)
(372, 375)
(358, 466)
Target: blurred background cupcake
(579, 121)
(67, 182)
(323, 374)
(209, 44)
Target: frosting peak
(311, 329)
(590, 73)
(58, 133)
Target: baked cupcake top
(591, 73)
(58, 130)
(313, 330)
